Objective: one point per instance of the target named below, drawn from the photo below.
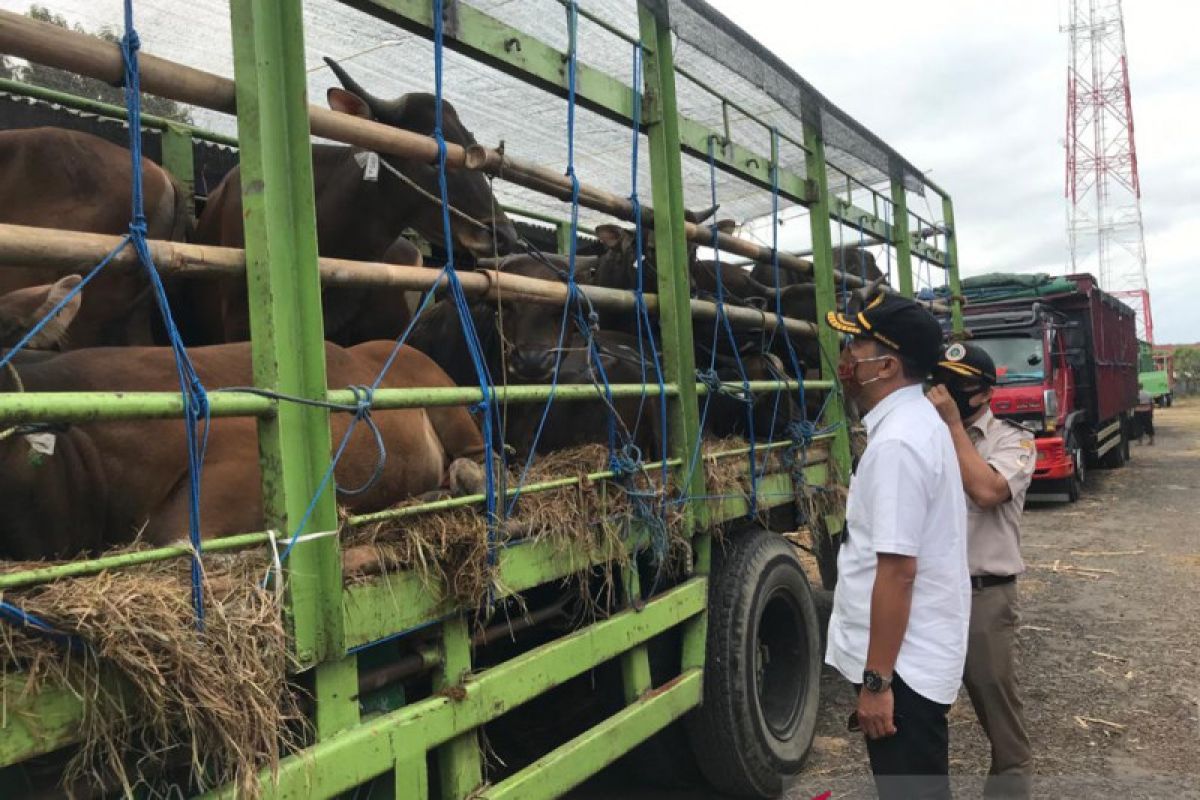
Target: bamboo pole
(77, 52)
(72, 251)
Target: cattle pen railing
(330, 623)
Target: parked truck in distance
(1066, 356)
(1155, 374)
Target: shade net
(531, 122)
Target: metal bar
(82, 407)
(79, 407)
(287, 336)
(108, 110)
(28, 247)
(94, 566)
(675, 322)
(460, 765)
(178, 159)
(569, 765)
(956, 295)
(343, 762)
(901, 237)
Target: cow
(51, 177)
(81, 488)
(521, 341)
(363, 205)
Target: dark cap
(968, 361)
(896, 322)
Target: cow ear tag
(369, 161)
(40, 446)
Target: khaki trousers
(991, 679)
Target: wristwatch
(874, 682)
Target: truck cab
(1066, 368)
(1035, 385)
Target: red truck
(1066, 356)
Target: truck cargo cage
(386, 677)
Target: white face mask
(852, 372)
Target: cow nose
(532, 364)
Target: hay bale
(215, 703)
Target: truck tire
(1079, 474)
(762, 670)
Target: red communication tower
(1104, 209)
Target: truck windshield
(1018, 360)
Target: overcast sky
(974, 91)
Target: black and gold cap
(963, 360)
(896, 322)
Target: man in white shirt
(903, 600)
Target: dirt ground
(1109, 644)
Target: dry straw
(165, 703)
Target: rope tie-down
(195, 398)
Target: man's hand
(875, 715)
(940, 397)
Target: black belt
(984, 581)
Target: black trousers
(914, 764)
(1145, 421)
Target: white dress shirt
(906, 498)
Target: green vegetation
(69, 82)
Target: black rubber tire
(1079, 475)
(762, 669)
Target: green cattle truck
(1154, 375)
(603, 605)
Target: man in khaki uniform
(997, 459)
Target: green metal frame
(329, 622)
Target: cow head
(24, 308)
(531, 331)
(468, 190)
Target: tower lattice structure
(1104, 210)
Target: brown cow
(520, 340)
(361, 218)
(51, 177)
(67, 489)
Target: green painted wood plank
(572, 763)
(36, 723)
(460, 763)
(351, 757)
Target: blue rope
(723, 323)
(487, 407)
(644, 325)
(364, 395)
(195, 399)
(190, 387)
(794, 360)
(20, 618)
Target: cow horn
(696, 217)
(380, 108)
